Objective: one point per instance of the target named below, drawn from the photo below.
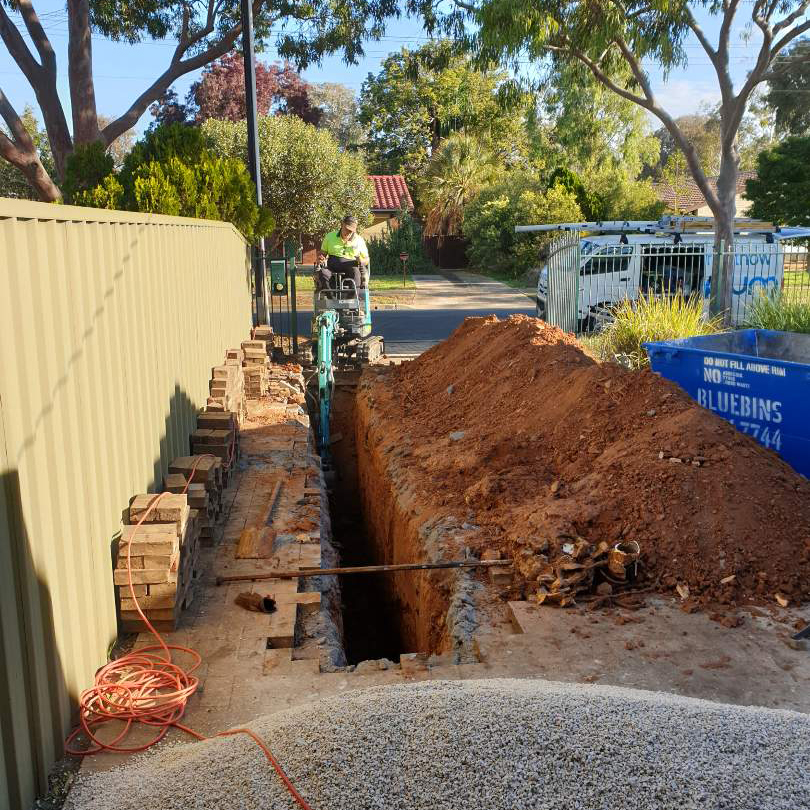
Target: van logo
(751, 285)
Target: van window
(610, 259)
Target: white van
(616, 267)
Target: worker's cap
(350, 221)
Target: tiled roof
(690, 197)
(390, 192)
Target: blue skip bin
(757, 379)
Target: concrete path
(461, 290)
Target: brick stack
(209, 473)
(163, 555)
(220, 441)
(200, 504)
(227, 388)
(255, 367)
(264, 333)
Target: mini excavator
(341, 338)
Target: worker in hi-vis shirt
(343, 251)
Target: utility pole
(253, 149)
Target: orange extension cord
(147, 687)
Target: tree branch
(38, 35)
(22, 138)
(22, 153)
(789, 37)
(176, 69)
(649, 103)
(798, 12)
(18, 49)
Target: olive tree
(308, 183)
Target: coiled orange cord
(147, 687)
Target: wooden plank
(256, 543)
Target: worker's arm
(362, 252)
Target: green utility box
(278, 277)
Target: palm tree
(456, 173)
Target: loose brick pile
(160, 558)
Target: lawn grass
(305, 282)
(796, 286)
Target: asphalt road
(439, 308)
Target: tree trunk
(722, 280)
(80, 74)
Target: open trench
(375, 522)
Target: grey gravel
(487, 744)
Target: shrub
(86, 167)
(384, 250)
(518, 199)
(652, 318)
(778, 312)
(170, 171)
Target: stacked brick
(217, 434)
(160, 557)
(256, 367)
(227, 389)
(205, 472)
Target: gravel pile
(484, 744)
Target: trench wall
(437, 613)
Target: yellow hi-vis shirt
(333, 245)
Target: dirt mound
(509, 424)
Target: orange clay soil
(556, 446)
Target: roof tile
(390, 192)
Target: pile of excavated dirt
(509, 426)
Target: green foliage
(109, 193)
(160, 144)
(518, 199)
(384, 250)
(622, 197)
(789, 90)
(592, 206)
(456, 172)
(170, 172)
(308, 183)
(781, 191)
(776, 311)
(420, 97)
(593, 129)
(652, 318)
(87, 166)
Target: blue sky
(122, 71)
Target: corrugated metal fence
(110, 324)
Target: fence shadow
(33, 690)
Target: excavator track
(370, 348)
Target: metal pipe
(360, 569)
(253, 149)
